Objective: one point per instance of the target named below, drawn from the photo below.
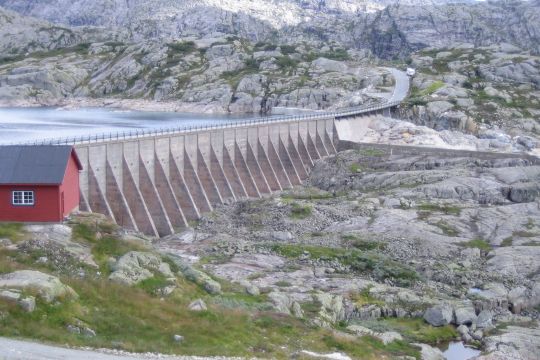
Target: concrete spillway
(157, 184)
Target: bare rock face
(47, 287)
(515, 342)
(439, 315)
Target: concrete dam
(156, 183)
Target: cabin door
(62, 203)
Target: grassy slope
(133, 319)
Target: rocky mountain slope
(392, 31)
(220, 74)
(385, 252)
(22, 35)
(491, 92)
(398, 252)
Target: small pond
(458, 351)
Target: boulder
(250, 288)
(327, 65)
(47, 287)
(439, 315)
(484, 319)
(465, 314)
(385, 337)
(284, 304)
(28, 304)
(189, 272)
(282, 235)
(211, 286)
(198, 305)
(332, 309)
(136, 266)
(429, 353)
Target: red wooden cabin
(38, 183)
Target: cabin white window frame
(23, 198)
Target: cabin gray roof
(34, 164)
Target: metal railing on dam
(157, 181)
(117, 136)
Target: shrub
(477, 243)
(299, 211)
(12, 231)
(285, 62)
(184, 47)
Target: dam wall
(158, 184)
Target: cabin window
(23, 198)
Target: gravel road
(26, 350)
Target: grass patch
(445, 209)
(310, 194)
(105, 247)
(299, 211)
(11, 231)
(477, 243)
(365, 298)
(507, 242)
(379, 266)
(153, 284)
(446, 228)
(286, 62)
(436, 85)
(371, 152)
(184, 47)
(415, 330)
(133, 320)
(355, 168)
(355, 241)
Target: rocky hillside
(397, 253)
(491, 92)
(222, 74)
(21, 35)
(392, 31)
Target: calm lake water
(30, 124)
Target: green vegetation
(436, 85)
(365, 298)
(531, 243)
(355, 168)
(286, 62)
(418, 97)
(109, 245)
(355, 241)
(133, 319)
(309, 194)
(414, 330)
(447, 229)
(252, 64)
(443, 208)
(371, 152)
(184, 47)
(299, 211)
(477, 243)
(379, 266)
(283, 283)
(11, 231)
(287, 49)
(333, 54)
(507, 242)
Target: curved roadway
(402, 83)
(27, 350)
